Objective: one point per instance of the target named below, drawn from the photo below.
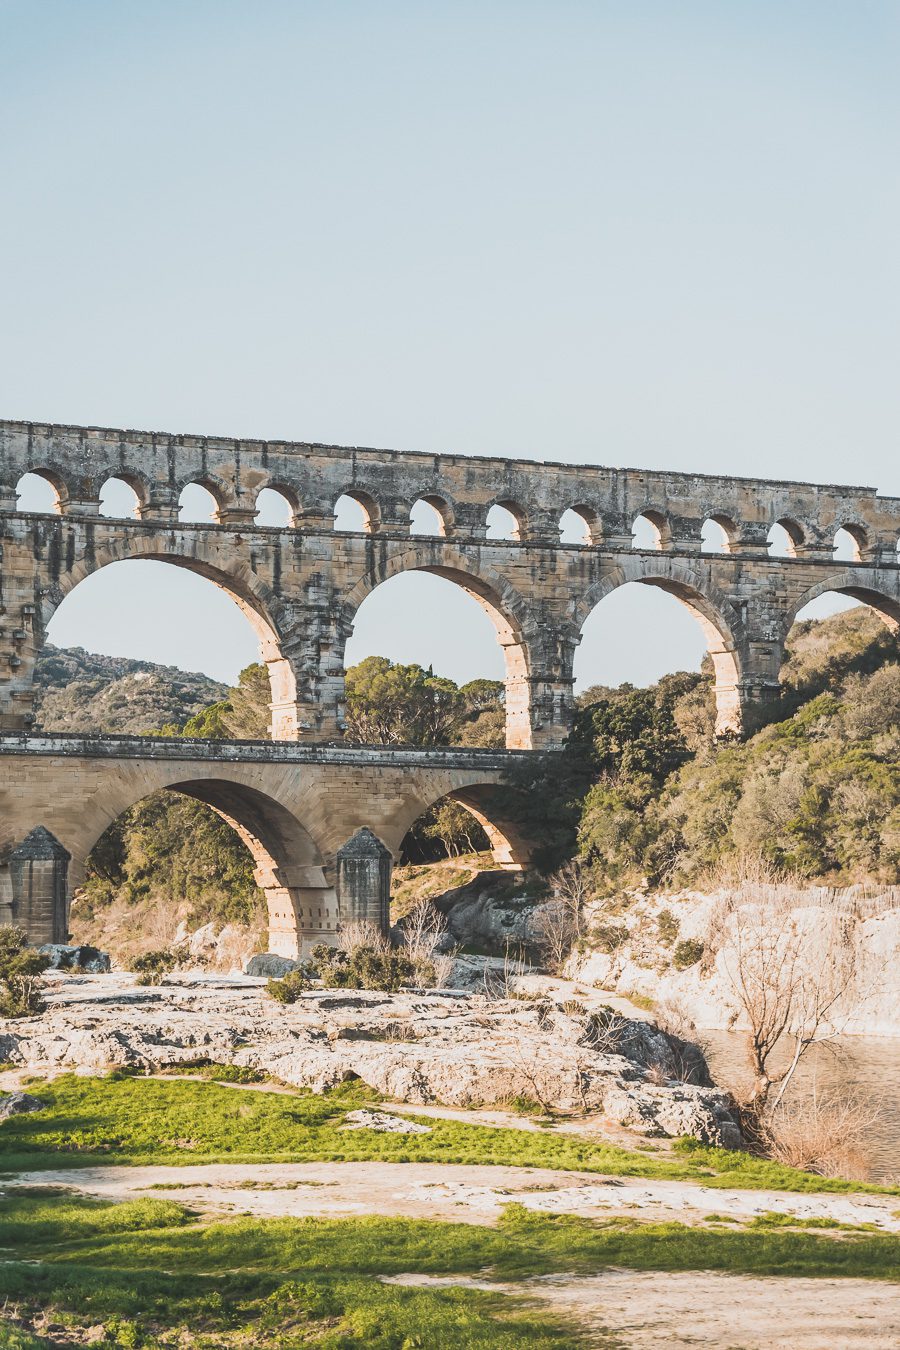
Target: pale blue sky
(630, 233)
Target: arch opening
(119, 499)
(356, 513)
(448, 602)
(829, 600)
(505, 520)
(468, 822)
(173, 612)
(850, 543)
(40, 492)
(429, 516)
(202, 851)
(275, 507)
(197, 505)
(785, 539)
(635, 634)
(650, 531)
(578, 525)
(717, 534)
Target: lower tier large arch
(295, 808)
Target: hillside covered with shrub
(816, 792)
(83, 691)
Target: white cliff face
(644, 959)
(435, 1047)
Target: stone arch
(512, 618)
(593, 530)
(218, 490)
(56, 480)
(252, 597)
(443, 509)
(288, 865)
(729, 532)
(138, 484)
(488, 804)
(868, 590)
(287, 492)
(513, 509)
(858, 537)
(722, 627)
(795, 532)
(368, 503)
(659, 523)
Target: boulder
(270, 966)
(18, 1103)
(87, 960)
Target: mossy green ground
(140, 1120)
(151, 1274)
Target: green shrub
(21, 968)
(152, 967)
(687, 953)
(667, 926)
(290, 987)
(370, 968)
(609, 937)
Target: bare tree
(791, 983)
(361, 933)
(557, 924)
(423, 928)
(826, 1132)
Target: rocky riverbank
(681, 950)
(456, 1048)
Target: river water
(870, 1065)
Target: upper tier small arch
(651, 530)
(431, 515)
(718, 534)
(198, 504)
(851, 543)
(505, 520)
(42, 491)
(277, 506)
(356, 512)
(121, 497)
(785, 538)
(579, 525)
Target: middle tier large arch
(722, 626)
(518, 633)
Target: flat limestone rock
(460, 1051)
(381, 1122)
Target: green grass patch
(149, 1272)
(141, 1120)
(524, 1243)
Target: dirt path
(637, 1310)
(648, 1310)
(460, 1194)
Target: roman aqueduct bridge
(301, 586)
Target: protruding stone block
(364, 881)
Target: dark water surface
(871, 1065)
